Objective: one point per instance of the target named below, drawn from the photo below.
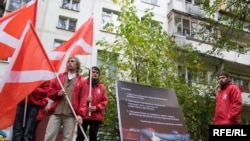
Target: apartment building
(57, 20)
(186, 19)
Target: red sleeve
(55, 88)
(236, 103)
(104, 101)
(83, 98)
(41, 92)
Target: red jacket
(39, 98)
(99, 99)
(228, 105)
(79, 96)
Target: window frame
(71, 5)
(203, 30)
(244, 84)
(20, 4)
(109, 20)
(65, 23)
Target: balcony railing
(195, 10)
(183, 6)
(180, 40)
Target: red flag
(12, 26)
(28, 69)
(81, 43)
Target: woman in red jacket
(228, 102)
(96, 103)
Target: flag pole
(25, 111)
(71, 107)
(90, 83)
(67, 98)
(90, 75)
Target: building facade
(57, 20)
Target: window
(242, 83)
(62, 23)
(191, 77)
(182, 25)
(72, 25)
(71, 4)
(204, 31)
(186, 27)
(66, 23)
(109, 20)
(57, 43)
(75, 5)
(154, 2)
(192, 28)
(177, 24)
(16, 4)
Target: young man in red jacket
(61, 110)
(36, 102)
(228, 102)
(96, 103)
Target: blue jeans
(27, 132)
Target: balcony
(195, 10)
(180, 40)
(186, 7)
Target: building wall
(49, 11)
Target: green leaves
(143, 52)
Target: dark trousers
(93, 130)
(27, 132)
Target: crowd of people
(77, 101)
(80, 101)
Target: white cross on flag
(29, 68)
(12, 26)
(81, 43)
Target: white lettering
(216, 132)
(222, 131)
(239, 132)
(228, 132)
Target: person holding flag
(69, 88)
(29, 112)
(97, 102)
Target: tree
(230, 20)
(144, 53)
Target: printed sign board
(149, 113)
